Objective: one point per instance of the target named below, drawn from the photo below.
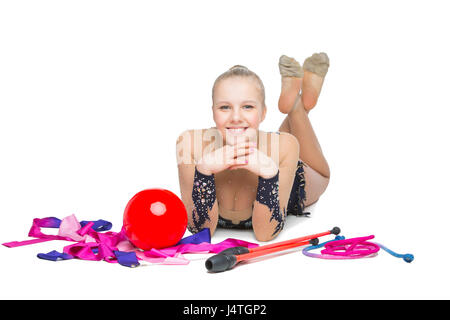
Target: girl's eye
(248, 106)
(224, 107)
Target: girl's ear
(263, 116)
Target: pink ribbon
(35, 231)
(96, 246)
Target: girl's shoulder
(284, 139)
(281, 144)
(288, 142)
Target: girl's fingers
(239, 161)
(240, 149)
(243, 152)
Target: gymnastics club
(228, 258)
(222, 262)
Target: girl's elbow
(264, 236)
(266, 231)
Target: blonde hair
(241, 71)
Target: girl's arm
(269, 211)
(198, 191)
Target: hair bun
(238, 66)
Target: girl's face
(238, 108)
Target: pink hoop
(354, 247)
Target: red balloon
(155, 218)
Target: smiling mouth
(236, 130)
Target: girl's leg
(297, 122)
(291, 82)
(315, 69)
(317, 171)
(285, 126)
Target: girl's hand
(260, 164)
(225, 157)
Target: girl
(236, 176)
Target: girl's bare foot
(316, 67)
(291, 82)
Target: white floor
(93, 96)
(288, 275)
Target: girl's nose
(236, 114)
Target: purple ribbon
(114, 247)
(54, 256)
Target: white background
(93, 95)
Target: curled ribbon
(114, 247)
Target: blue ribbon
(54, 256)
(99, 225)
(197, 238)
(127, 259)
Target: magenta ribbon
(114, 246)
(35, 231)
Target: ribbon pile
(114, 247)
